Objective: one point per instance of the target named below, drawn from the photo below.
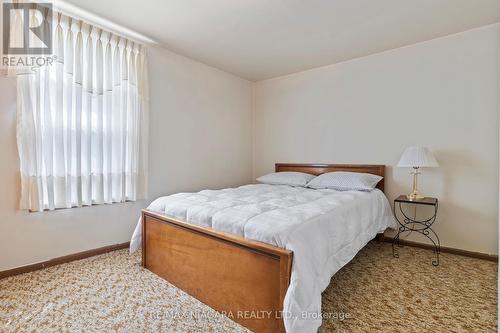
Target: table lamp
(417, 157)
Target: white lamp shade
(417, 157)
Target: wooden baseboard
(478, 255)
(63, 260)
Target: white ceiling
(260, 39)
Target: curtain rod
(100, 22)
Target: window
(82, 121)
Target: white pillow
(286, 178)
(345, 181)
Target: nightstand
(408, 224)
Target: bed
(262, 254)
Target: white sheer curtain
(82, 122)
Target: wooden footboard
(247, 280)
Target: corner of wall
(498, 137)
(253, 114)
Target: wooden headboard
(318, 169)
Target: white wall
(441, 93)
(197, 112)
(200, 133)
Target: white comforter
(324, 229)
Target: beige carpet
(382, 293)
(375, 292)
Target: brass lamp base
(415, 196)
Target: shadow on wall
(455, 163)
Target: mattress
(324, 228)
